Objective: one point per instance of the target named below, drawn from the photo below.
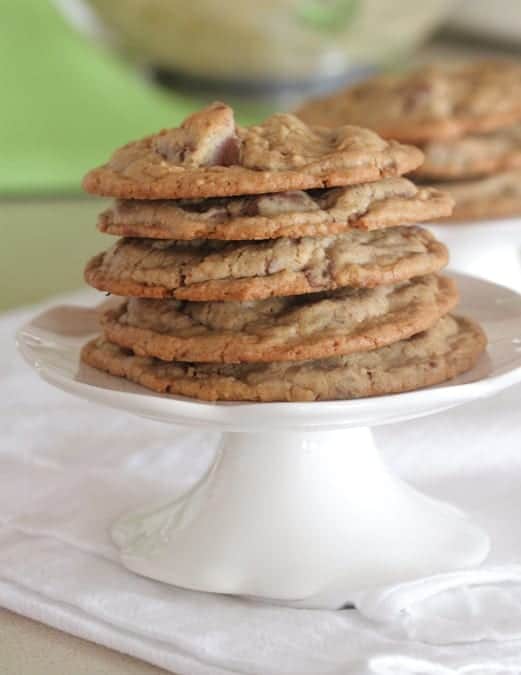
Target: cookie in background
(466, 117)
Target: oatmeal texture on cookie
(385, 203)
(209, 156)
(289, 328)
(452, 346)
(214, 270)
(432, 102)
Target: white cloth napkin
(69, 468)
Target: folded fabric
(68, 469)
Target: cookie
(280, 329)
(385, 203)
(209, 156)
(433, 102)
(473, 155)
(452, 346)
(497, 196)
(213, 270)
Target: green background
(66, 104)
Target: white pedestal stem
(299, 518)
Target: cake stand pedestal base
(298, 518)
(298, 507)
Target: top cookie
(431, 103)
(209, 156)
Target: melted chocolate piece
(228, 153)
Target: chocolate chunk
(228, 153)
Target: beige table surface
(30, 648)
(45, 245)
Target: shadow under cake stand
(298, 507)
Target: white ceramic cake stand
(298, 507)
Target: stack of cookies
(278, 262)
(466, 117)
